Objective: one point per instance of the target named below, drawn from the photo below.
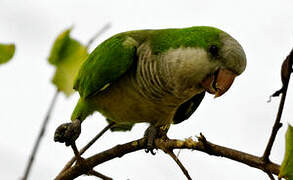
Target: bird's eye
(213, 49)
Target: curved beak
(219, 82)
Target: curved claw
(68, 132)
(151, 134)
(150, 150)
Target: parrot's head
(227, 60)
(210, 61)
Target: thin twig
(213, 149)
(275, 129)
(286, 71)
(178, 153)
(101, 31)
(80, 160)
(40, 136)
(270, 176)
(99, 175)
(76, 153)
(69, 164)
(175, 158)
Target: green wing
(105, 64)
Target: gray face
(231, 63)
(232, 54)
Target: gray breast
(150, 75)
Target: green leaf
(6, 52)
(286, 170)
(67, 55)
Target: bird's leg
(153, 132)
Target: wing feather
(186, 109)
(109, 61)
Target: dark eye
(213, 49)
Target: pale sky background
(240, 119)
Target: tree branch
(201, 145)
(99, 175)
(270, 176)
(285, 74)
(100, 32)
(178, 162)
(40, 136)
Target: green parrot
(154, 76)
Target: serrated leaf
(6, 52)
(286, 169)
(67, 55)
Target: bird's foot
(151, 134)
(68, 132)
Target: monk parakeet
(154, 76)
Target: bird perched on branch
(154, 76)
